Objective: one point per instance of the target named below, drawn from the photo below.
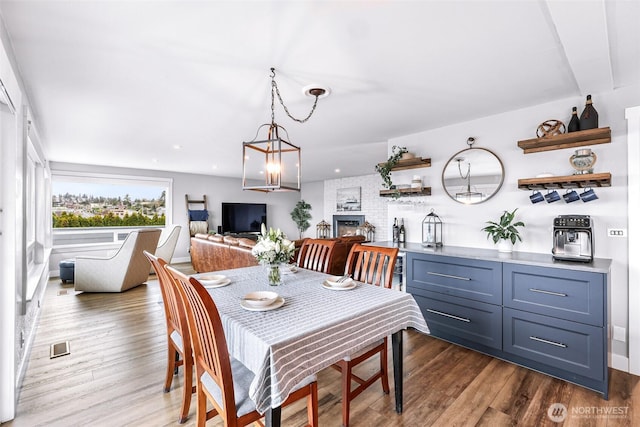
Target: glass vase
(274, 274)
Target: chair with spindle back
(371, 265)
(220, 379)
(178, 341)
(316, 254)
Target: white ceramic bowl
(260, 298)
(211, 279)
(333, 281)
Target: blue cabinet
(550, 318)
(566, 294)
(460, 320)
(472, 279)
(571, 346)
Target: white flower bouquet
(273, 247)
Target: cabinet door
(467, 278)
(566, 294)
(570, 346)
(452, 318)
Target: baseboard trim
(621, 363)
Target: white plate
(260, 298)
(290, 269)
(333, 282)
(339, 288)
(279, 302)
(223, 282)
(210, 279)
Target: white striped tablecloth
(315, 327)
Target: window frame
(162, 183)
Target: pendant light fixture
(271, 162)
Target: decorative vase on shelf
(274, 274)
(589, 116)
(583, 161)
(574, 124)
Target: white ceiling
(121, 83)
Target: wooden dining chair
(179, 351)
(316, 254)
(220, 379)
(372, 265)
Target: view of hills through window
(89, 204)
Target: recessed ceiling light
(154, 160)
(214, 166)
(337, 171)
(177, 147)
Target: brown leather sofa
(213, 252)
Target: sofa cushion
(231, 240)
(247, 243)
(208, 255)
(216, 238)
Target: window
(35, 220)
(88, 201)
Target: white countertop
(598, 265)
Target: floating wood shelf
(566, 140)
(418, 162)
(424, 191)
(569, 181)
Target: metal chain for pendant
(274, 85)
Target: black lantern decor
(432, 230)
(323, 230)
(369, 231)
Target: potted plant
(505, 232)
(301, 216)
(384, 169)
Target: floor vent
(59, 349)
(63, 292)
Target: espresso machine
(573, 238)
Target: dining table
(310, 327)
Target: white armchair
(124, 270)
(167, 243)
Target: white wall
(11, 225)
(374, 207)
(217, 190)
(313, 193)
(633, 144)
(500, 133)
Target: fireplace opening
(347, 225)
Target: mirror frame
(456, 155)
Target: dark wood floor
(114, 376)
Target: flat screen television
(243, 217)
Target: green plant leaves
(505, 229)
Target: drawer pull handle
(448, 275)
(462, 319)
(541, 291)
(557, 344)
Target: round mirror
(472, 175)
